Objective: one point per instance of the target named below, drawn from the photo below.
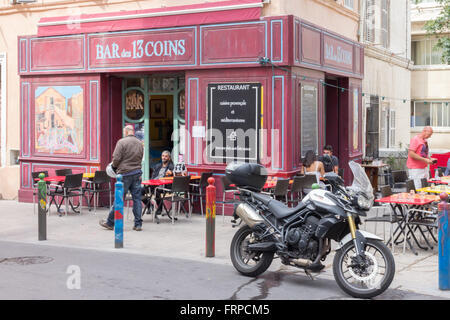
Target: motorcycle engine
(301, 240)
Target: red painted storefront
(212, 47)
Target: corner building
(187, 74)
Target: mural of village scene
(59, 119)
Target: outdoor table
(440, 180)
(436, 189)
(372, 173)
(400, 202)
(157, 183)
(62, 178)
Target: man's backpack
(327, 163)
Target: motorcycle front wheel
(248, 263)
(369, 278)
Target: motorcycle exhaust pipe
(302, 262)
(248, 215)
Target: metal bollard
(444, 243)
(118, 213)
(210, 217)
(42, 208)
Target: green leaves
(439, 26)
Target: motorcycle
(300, 236)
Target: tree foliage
(440, 27)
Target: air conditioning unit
(22, 1)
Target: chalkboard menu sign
(309, 118)
(233, 118)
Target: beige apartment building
(385, 32)
(23, 18)
(430, 80)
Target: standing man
(330, 162)
(127, 161)
(418, 159)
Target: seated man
(162, 169)
(330, 162)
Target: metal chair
(72, 187)
(63, 172)
(341, 172)
(310, 179)
(424, 182)
(297, 188)
(389, 217)
(94, 188)
(226, 188)
(410, 185)
(198, 188)
(399, 178)
(280, 190)
(179, 193)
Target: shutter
(369, 21)
(392, 129)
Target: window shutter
(392, 129)
(369, 21)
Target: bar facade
(189, 83)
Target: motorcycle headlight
(363, 202)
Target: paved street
(48, 272)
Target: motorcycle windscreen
(361, 182)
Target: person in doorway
(163, 169)
(330, 162)
(127, 161)
(418, 158)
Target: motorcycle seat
(280, 210)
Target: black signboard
(233, 121)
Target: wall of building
(388, 71)
(329, 14)
(429, 82)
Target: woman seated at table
(311, 166)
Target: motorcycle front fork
(352, 225)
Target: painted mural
(59, 119)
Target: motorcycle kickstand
(309, 274)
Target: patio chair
(198, 189)
(297, 188)
(99, 184)
(72, 187)
(226, 188)
(280, 190)
(399, 178)
(178, 194)
(410, 185)
(341, 172)
(424, 182)
(387, 216)
(63, 172)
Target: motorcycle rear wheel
(366, 282)
(250, 264)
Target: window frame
(445, 109)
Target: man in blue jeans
(127, 161)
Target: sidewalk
(185, 240)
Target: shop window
(309, 122)
(424, 53)
(134, 104)
(427, 113)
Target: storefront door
(154, 105)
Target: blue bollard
(444, 243)
(118, 213)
